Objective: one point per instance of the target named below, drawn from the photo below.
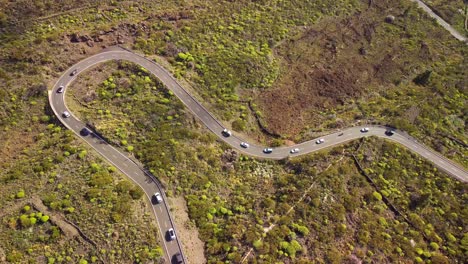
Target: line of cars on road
(228, 133)
(170, 233)
(61, 87)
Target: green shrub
(123, 187)
(136, 193)
(20, 194)
(434, 246)
(33, 220)
(82, 154)
(239, 125)
(25, 221)
(14, 256)
(377, 196)
(257, 244)
(303, 230)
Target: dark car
(74, 72)
(226, 133)
(60, 89)
(389, 132)
(177, 258)
(85, 131)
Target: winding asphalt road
(440, 21)
(125, 163)
(149, 184)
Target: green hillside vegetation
(56, 175)
(317, 207)
(361, 69)
(231, 53)
(454, 12)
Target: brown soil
(314, 80)
(330, 66)
(14, 143)
(192, 246)
(287, 110)
(13, 207)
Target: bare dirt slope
(335, 63)
(192, 245)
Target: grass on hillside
(314, 207)
(231, 52)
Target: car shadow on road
(100, 139)
(153, 200)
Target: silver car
(319, 141)
(66, 114)
(294, 150)
(158, 197)
(244, 144)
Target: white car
(171, 234)
(244, 144)
(158, 197)
(226, 133)
(364, 129)
(320, 141)
(66, 114)
(267, 150)
(294, 150)
(60, 89)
